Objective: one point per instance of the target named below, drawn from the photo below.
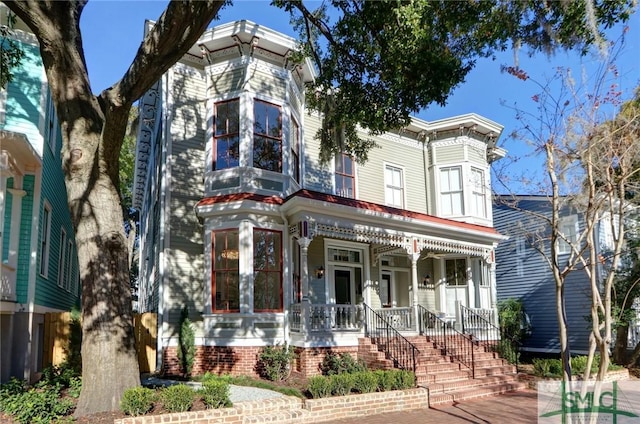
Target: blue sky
(112, 32)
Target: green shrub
(10, 390)
(547, 367)
(186, 341)
(334, 363)
(319, 387)
(386, 380)
(177, 398)
(58, 375)
(274, 362)
(365, 381)
(403, 379)
(75, 385)
(38, 405)
(215, 393)
(508, 351)
(137, 401)
(341, 384)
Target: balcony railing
(8, 283)
(326, 317)
(399, 318)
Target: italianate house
(37, 243)
(264, 245)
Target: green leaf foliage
(177, 398)
(215, 393)
(137, 401)
(380, 61)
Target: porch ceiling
(18, 152)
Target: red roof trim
(344, 201)
(235, 197)
(360, 204)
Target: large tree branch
(177, 30)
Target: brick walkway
(512, 408)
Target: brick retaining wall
(289, 410)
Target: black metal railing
(443, 333)
(480, 327)
(401, 351)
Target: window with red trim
(295, 150)
(225, 275)
(267, 270)
(226, 134)
(345, 176)
(267, 136)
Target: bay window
(226, 138)
(267, 136)
(478, 196)
(225, 284)
(295, 150)
(267, 270)
(451, 194)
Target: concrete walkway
(513, 408)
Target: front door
(343, 286)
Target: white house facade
(263, 244)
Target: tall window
(225, 271)
(44, 240)
(345, 176)
(394, 186)
(478, 197)
(451, 191)
(456, 271)
(295, 149)
(226, 135)
(267, 270)
(267, 136)
(69, 267)
(569, 228)
(62, 256)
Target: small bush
(177, 398)
(38, 405)
(319, 387)
(341, 384)
(365, 382)
(274, 362)
(508, 351)
(137, 401)
(9, 391)
(75, 385)
(186, 341)
(547, 367)
(386, 380)
(61, 375)
(403, 379)
(215, 393)
(334, 363)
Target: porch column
(494, 294)
(304, 243)
(471, 287)
(414, 286)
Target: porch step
(450, 397)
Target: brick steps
(450, 397)
(449, 381)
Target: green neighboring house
(37, 242)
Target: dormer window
(267, 136)
(226, 139)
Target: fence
(57, 333)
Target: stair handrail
(447, 338)
(396, 347)
(472, 323)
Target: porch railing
(398, 318)
(443, 333)
(8, 283)
(401, 351)
(479, 324)
(326, 317)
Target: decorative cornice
(148, 118)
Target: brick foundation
(242, 360)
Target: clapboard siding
(408, 156)
(316, 176)
(266, 83)
(522, 273)
(226, 81)
(449, 154)
(184, 256)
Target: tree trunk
(620, 348)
